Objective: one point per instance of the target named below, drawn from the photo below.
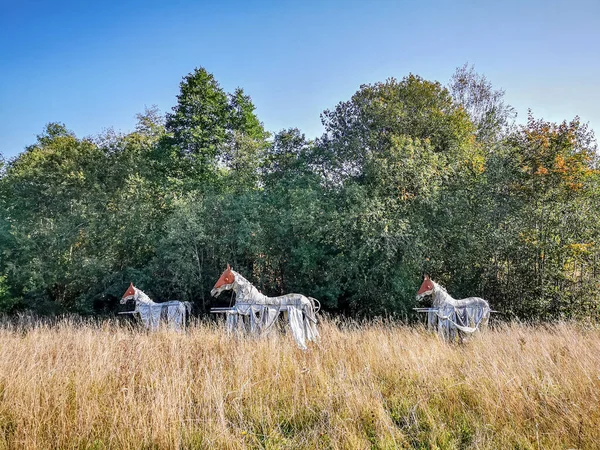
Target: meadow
(98, 385)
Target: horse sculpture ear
(426, 277)
(228, 268)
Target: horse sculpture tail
(316, 306)
(310, 319)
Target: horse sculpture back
(151, 312)
(449, 315)
(256, 312)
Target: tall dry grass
(375, 385)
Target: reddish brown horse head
(129, 293)
(426, 288)
(224, 282)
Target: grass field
(372, 385)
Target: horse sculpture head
(224, 283)
(129, 294)
(426, 288)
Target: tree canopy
(409, 177)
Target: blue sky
(94, 65)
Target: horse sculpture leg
(483, 324)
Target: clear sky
(94, 65)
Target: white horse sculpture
(466, 315)
(258, 312)
(151, 312)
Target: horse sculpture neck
(245, 292)
(140, 298)
(441, 296)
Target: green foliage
(379, 113)
(199, 121)
(7, 301)
(409, 177)
(546, 254)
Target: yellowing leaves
(553, 157)
(579, 249)
(560, 164)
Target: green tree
(392, 153)
(199, 122)
(246, 144)
(243, 119)
(545, 256)
(377, 113)
(49, 194)
(289, 156)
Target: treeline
(410, 177)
